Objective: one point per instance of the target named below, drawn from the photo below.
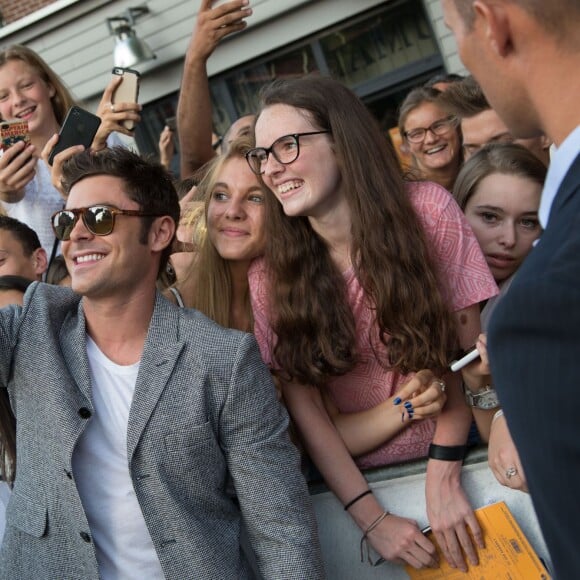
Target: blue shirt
(560, 164)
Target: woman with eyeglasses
(31, 91)
(432, 137)
(366, 280)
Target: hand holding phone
(79, 128)
(13, 131)
(171, 122)
(127, 91)
(18, 159)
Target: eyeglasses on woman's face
(98, 219)
(285, 150)
(439, 128)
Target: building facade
(378, 48)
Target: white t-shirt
(122, 541)
(40, 201)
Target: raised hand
(114, 116)
(57, 162)
(17, 168)
(213, 24)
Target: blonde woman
(30, 90)
(229, 234)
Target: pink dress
(465, 279)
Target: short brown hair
(464, 99)
(21, 232)
(147, 183)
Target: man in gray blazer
(146, 434)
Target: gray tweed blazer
(204, 416)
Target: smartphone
(171, 122)
(13, 131)
(127, 91)
(78, 128)
(464, 359)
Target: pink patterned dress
(464, 278)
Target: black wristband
(447, 452)
(360, 496)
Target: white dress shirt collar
(560, 163)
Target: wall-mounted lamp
(129, 48)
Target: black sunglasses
(98, 219)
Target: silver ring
(510, 472)
(441, 384)
(112, 107)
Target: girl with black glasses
(366, 280)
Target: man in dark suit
(146, 434)
(526, 56)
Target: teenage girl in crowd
(30, 90)
(499, 190)
(366, 280)
(229, 235)
(431, 136)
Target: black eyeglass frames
(285, 149)
(98, 219)
(439, 128)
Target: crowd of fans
(360, 279)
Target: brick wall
(12, 10)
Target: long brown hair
(311, 316)
(62, 99)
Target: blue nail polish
(397, 401)
(409, 405)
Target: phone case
(79, 128)
(13, 131)
(171, 122)
(127, 91)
